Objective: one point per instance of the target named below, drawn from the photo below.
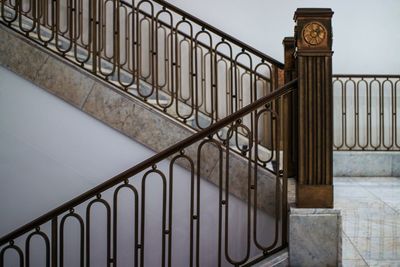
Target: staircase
(223, 101)
(236, 123)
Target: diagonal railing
(262, 233)
(159, 54)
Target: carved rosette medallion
(314, 33)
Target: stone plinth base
(315, 237)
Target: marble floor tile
(354, 263)
(371, 220)
(378, 248)
(368, 228)
(349, 250)
(376, 180)
(385, 263)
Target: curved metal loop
(346, 120)
(47, 247)
(278, 187)
(143, 215)
(341, 136)
(168, 50)
(245, 133)
(171, 205)
(11, 246)
(135, 226)
(226, 201)
(77, 217)
(108, 231)
(176, 62)
(273, 148)
(196, 214)
(14, 17)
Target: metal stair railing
(159, 54)
(51, 228)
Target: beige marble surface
(64, 82)
(14, 53)
(371, 220)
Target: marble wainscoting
(371, 220)
(366, 164)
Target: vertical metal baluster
(344, 110)
(381, 118)
(164, 231)
(93, 19)
(357, 114)
(397, 88)
(54, 242)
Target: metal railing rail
(366, 112)
(234, 121)
(157, 53)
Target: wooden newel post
(290, 110)
(289, 46)
(313, 37)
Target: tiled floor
(371, 220)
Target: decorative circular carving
(314, 33)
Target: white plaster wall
(51, 152)
(366, 34)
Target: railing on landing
(158, 53)
(366, 112)
(53, 229)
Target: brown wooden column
(313, 37)
(289, 110)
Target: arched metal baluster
(266, 248)
(168, 49)
(28, 244)
(77, 217)
(12, 246)
(47, 25)
(358, 122)
(108, 231)
(63, 37)
(213, 105)
(234, 129)
(196, 195)
(139, 45)
(180, 156)
(32, 10)
(389, 127)
(135, 226)
(164, 231)
(178, 74)
(16, 9)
